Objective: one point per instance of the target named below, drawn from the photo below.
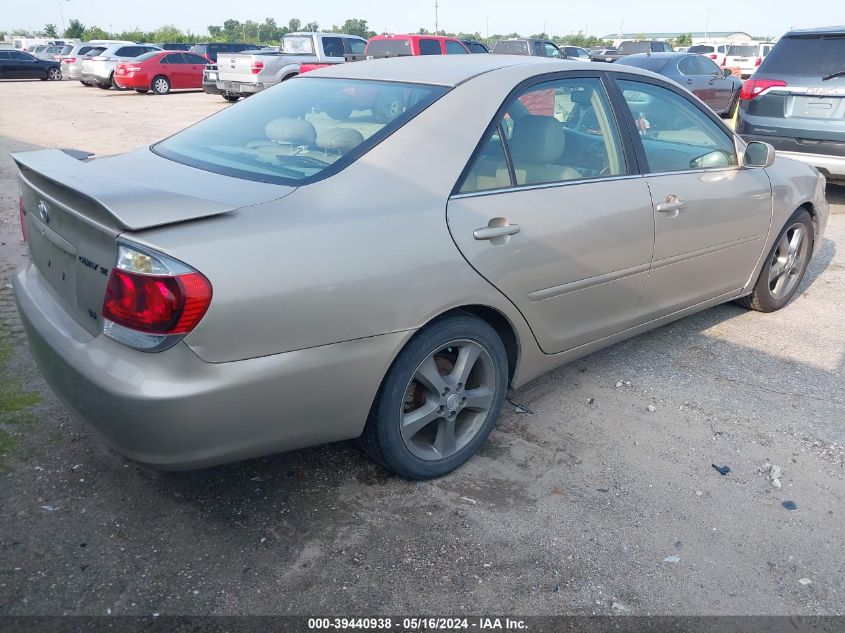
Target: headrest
(288, 130)
(582, 97)
(537, 139)
(342, 139)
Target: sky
(597, 17)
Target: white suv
(711, 50)
(746, 57)
(99, 70)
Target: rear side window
(333, 47)
(430, 47)
(454, 48)
(557, 131)
(511, 47)
(389, 48)
(817, 56)
(300, 131)
(84, 50)
(298, 45)
(127, 51)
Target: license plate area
(812, 107)
(55, 259)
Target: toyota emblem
(44, 212)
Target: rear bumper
(135, 81)
(238, 88)
(826, 156)
(94, 78)
(174, 411)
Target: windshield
(814, 55)
(297, 45)
(511, 47)
(299, 131)
(634, 47)
(654, 64)
(389, 48)
(742, 51)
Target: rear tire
(103, 86)
(160, 85)
(54, 74)
(440, 399)
(87, 84)
(731, 111)
(231, 98)
(783, 270)
(141, 91)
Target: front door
(711, 216)
(553, 213)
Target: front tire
(160, 85)
(785, 266)
(440, 399)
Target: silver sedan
(378, 250)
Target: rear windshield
(300, 131)
(511, 47)
(298, 45)
(146, 56)
(815, 56)
(701, 48)
(654, 64)
(389, 48)
(742, 51)
(634, 47)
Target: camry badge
(44, 212)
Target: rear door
(711, 217)
(430, 46)
(558, 220)
(174, 66)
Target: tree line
(270, 32)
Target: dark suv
(796, 100)
(211, 49)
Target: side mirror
(758, 154)
(727, 72)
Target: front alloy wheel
(440, 399)
(784, 269)
(54, 74)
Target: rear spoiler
(129, 205)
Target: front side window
(556, 131)
(286, 135)
(454, 48)
(173, 58)
(551, 50)
(355, 47)
(429, 47)
(676, 134)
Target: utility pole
(707, 25)
(62, 14)
(436, 18)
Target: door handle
(672, 206)
(492, 232)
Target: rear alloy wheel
(161, 85)
(54, 74)
(784, 269)
(439, 400)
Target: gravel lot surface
(583, 497)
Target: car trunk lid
(75, 209)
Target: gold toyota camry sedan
(380, 249)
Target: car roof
(413, 36)
(450, 70)
(822, 30)
(661, 55)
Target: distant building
(698, 37)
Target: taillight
(755, 87)
(713, 56)
(133, 68)
(22, 212)
(69, 60)
(153, 301)
(257, 67)
(758, 62)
